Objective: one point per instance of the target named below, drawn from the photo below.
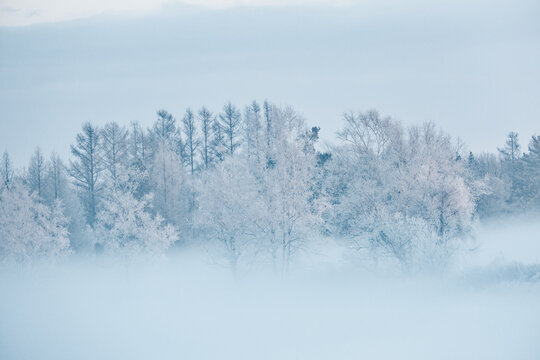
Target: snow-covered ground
(182, 307)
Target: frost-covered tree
(486, 169)
(511, 150)
(36, 172)
(513, 173)
(140, 157)
(367, 133)
(407, 193)
(268, 112)
(386, 173)
(206, 119)
(529, 184)
(230, 123)
(126, 225)
(410, 241)
(291, 211)
(253, 130)
(218, 147)
(192, 138)
(229, 205)
(173, 196)
(58, 189)
(114, 140)
(87, 167)
(164, 127)
(139, 145)
(28, 228)
(439, 179)
(166, 164)
(6, 170)
(532, 158)
(55, 177)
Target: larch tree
(230, 123)
(6, 170)
(164, 131)
(87, 167)
(218, 147)
(206, 119)
(36, 172)
(173, 196)
(140, 157)
(56, 177)
(253, 130)
(114, 140)
(139, 147)
(268, 111)
(192, 138)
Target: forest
(256, 186)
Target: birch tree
(291, 212)
(229, 205)
(411, 178)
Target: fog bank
(184, 306)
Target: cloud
(27, 12)
(35, 11)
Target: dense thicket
(257, 183)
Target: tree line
(256, 183)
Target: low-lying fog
(183, 306)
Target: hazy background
(472, 67)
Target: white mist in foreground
(180, 307)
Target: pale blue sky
(472, 67)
